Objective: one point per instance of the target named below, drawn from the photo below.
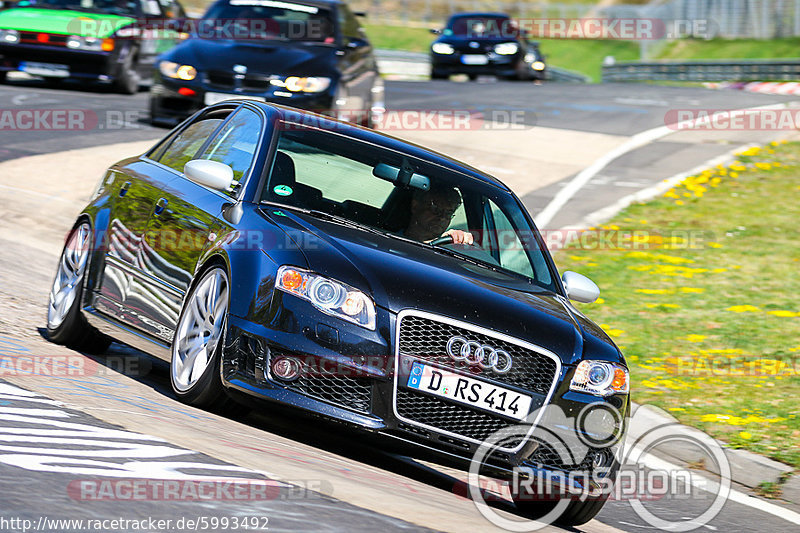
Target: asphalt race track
(75, 444)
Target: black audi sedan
(310, 54)
(275, 255)
(485, 43)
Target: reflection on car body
(264, 252)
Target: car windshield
(348, 181)
(112, 7)
(482, 26)
(269, 19)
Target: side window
(235, 144)
(351, 29)
(512, 252)
(188, 142)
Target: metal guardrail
(734, 70)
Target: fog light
(286, 368)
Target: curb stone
(747, 468)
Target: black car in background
(89, 40)
(485, 43)
(272, 254)
(310, 54)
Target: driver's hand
(459, 236)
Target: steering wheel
(444, 239)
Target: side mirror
(579, 287)
(360, 13)
(211, 174)
(436, 31)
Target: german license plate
(474, 59)
(50, 70)
(468, 391)
(213, 98)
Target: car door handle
(161, 204)
(124, 189)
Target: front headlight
(93, 44)
(442, 48)
(9, 36)
(327, 295)
(177, 71)
(538, 65)
(600, 377)
(297, 84)
(506, 49)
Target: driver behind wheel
(431, 213)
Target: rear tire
(197, 345)
(3, 76)
(65, 322)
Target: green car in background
(113, 41)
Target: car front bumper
(354, 380)
(82, 64)
(168, 105)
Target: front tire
(197, 345)
(65, 323)
(128, 80)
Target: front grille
(425, 338)
(53, 39)
(441, 414)
(220, 79)
(345, 391)
(255, 83)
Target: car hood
(63, 21)
(271, 57)
(401, 275)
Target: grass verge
(732, 49)
(703, 300)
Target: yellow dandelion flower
(692, 290)
(784, 313)
(678, 202)
(734, 174)
(695, 338)
(600, 301)
(653, 291)
(745, 435)
(743, 309)
(714, 245)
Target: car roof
(374, 137)
(315, 3)
(480, 14)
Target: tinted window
(265, 20)
(236, 143)
(184, 147)
(510, 251)
(476, 26)
(113, 7)
(333, 176)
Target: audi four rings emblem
(474, 353)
